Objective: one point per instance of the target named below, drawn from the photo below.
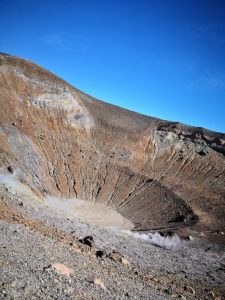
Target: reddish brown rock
(62, 142)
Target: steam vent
(64, 143)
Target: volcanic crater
(64, 143)
(98, 202)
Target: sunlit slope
(64, 143)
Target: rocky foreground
(47, 255)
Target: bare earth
(42, 257)
(93, 197)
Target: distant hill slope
(62, 142)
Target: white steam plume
(168, 242)
(10, 180)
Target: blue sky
(163, 58)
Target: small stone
(125, 262)
(88, 240)
(100, 253)
(90, 279)
(10, 169)
(13, 284)
(211, 293)
(167, 291)
(98, 281)
(22, 284)
(202, 153)
(62, 269)
(116, 256)
(189, 289)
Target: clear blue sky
(163, 58)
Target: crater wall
(64, 143)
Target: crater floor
(90, 212)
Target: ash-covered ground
(47, 254)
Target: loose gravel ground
(43, 257)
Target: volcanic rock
(65, 158)
(88, 240)
(65, 143)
